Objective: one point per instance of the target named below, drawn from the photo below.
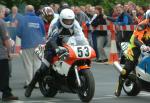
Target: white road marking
(142, 94)
(35, 101)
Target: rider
(47, 14)
(140, 41)
(66, 25)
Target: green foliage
(107, 4)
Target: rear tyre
(46, 89)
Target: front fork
(77, 76)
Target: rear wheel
(87, 89)
(46, 88)
(131, 85)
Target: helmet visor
(68, 21)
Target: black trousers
(122, 36)
(131, 64)
(4, 76)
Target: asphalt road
(105, 79)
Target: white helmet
(147, 14)
(67, 18)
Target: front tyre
(131, 85)
(87, 89)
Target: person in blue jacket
(32, 33)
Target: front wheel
(87, 89)
(131, 85)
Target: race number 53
(83, 51)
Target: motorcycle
(138, 80)
(71, 72)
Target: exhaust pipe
(119, 68)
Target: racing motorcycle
(138, 80)
(71, 72)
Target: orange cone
(113, 56)
(113, 52)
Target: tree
(107, 4)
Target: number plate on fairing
(82, 51)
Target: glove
(145, 48)
(62, 52)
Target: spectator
(114, 13)
(56, 7)
(62, 6)
(80, 15)
(100, 36)
(13, 18)
(140, 13)
(131, 6)
(5, 45)
(31, 31)
(90, 12)
(83, 19)
(83, 8)
(126, 7)
(7, 12)
(123, 19)
(134, 17)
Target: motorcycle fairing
(61, 67)
(143, 69)
(145, 64)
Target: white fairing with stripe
(142, 74)
(61, 67)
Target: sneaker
(102, 61)
(105, 60)
(9, 98)
(28, 91)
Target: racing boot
(39, 73)
(119, 87)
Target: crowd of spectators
(122, 14)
